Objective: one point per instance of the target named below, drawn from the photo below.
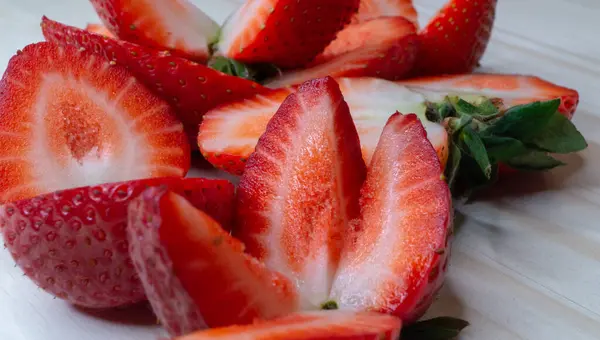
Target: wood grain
(526, 261)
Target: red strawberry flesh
(72, 119)
(74, 244)
(372, 9)
(394, 259)
(300, 188)
(195, 274)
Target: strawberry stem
(329, 305)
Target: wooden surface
(526, 262)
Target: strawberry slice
(192, 89)
(73, 243)
(372, 9)
(71, 119)
(384, 48)
(456, 38)
(195, 274)
(99, 29)
(331, 325)
(229, 133)
(287, 33)
(394, 260)
(300, 189)
(174, 25)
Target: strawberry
(372, 9)
(195, 274)
(99, 29)
(456, 38)
(300, 189)
(394, 259)
(71, 119)
(73, 243)
(191, 88)
(229, 133)
(287, 33)
(331, 325)
(174, 25)
(384, 48)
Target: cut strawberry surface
(372, 9)
(327, 325)
(229, 133)
(384, 48)
(73, 243)
(506, 89)
(394, 259)
(287, 33)
(456, 38)
(174, 25)
(195, 274)
(192, 89)
(72, 119)
(300, 189)
(99, 29)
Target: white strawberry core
(239, 30)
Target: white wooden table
(526, 263)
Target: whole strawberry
(73, 243)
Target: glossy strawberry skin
(73, 243)
(195, 274)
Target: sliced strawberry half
(288, 33)
(330, 325)
(394, 259)
(73, 243)
(384, 48)
(192, 89)
(506, 89)
(456, 38)
(99, 29)
(174, 25)
(372, 9)
(228, 134)
(195, 274)
(72, 119)
(300, 189)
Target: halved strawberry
(195, 274)
(287, 33)
(174, 25)
(371, 9)
(99, 29)
(300, 189)
(330, 325)
(229, 133)
(394, 259)
(192, 89)
(456, 38)
(384, 48)
(73, 243)
(72, 119)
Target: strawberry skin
(174, 25)
(372, 9)
(191, 89)
(456, 38)
(71, 119)
(321, 325)
(383, 47)
(300, 189)
(195, 274)
(99, 29)
(394, 259)
(287, 33)
(73, 243)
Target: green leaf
(230, 67)
(559, 136)
(524, 121)
(534, 161)
(442, 328)
(457, 124)
(501, 149)
(453, 167)
(476, 149)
